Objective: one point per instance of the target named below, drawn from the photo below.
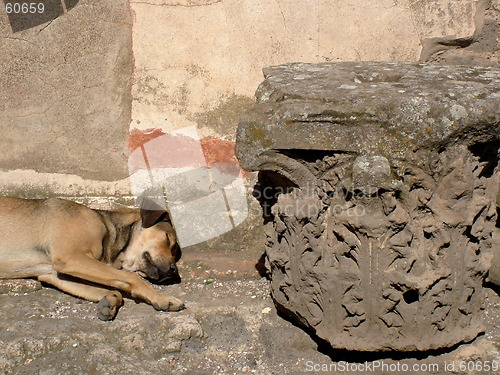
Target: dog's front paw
(169, 304)
(108, 305)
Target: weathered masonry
(378, 183)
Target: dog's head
(153, 249)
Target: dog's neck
(121, 226)
(122, 218)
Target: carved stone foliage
(373, 245)
(354, 262)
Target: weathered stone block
(378, 185)
(65, 89)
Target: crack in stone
(37, 113)
(178, 4)
(282, 14)
(21, 39)
(47, 25)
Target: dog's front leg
(90, 269)
(108, 300)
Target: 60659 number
(24, 8)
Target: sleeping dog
(91, 254)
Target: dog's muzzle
(159, 274)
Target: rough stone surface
(230, 326)
(65, 90)
(388, 109)
(379, 190)
(494, 273)
(19, 286)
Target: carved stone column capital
(379, 184)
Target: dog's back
(22, 252)
(25, 228)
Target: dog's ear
(152, 213)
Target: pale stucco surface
(192, 57)
(65, 90)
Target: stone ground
(230, 326)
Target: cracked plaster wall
(65, 99)
(73, 89)
(198, 61)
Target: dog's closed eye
(169, 240)
(147, 256)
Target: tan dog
(89, 253)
